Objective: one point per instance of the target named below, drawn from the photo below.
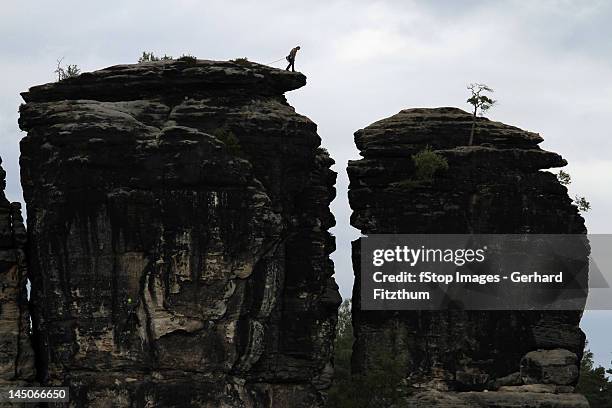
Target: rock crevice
(16, 355)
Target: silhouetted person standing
(291, 58)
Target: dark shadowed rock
(178, 216)
(494, 186)
(556, 366)
(16, 356)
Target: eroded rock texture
(178, 216)
(16, 356)
(493, 186)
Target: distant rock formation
(178, 217)
(494, 186)
(16, 355)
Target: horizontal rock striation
(16, 355)
(492, 186)
(178, 219)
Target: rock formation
(177, 217)
(16, 357)
(493, 186)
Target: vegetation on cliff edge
(594, 384)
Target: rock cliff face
(178, 215)
(493, 186)
(16, 356)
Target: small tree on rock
(150, 57)
(480, 102)
(69, 71)
(581, 202)
(188, 58)
(427, 163)
(564, 178)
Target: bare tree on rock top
(480, 102)
(69, 71)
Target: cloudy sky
(550, 63)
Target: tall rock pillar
(494, 186)
(178, 217)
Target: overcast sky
(550, 63)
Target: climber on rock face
(291, 58)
